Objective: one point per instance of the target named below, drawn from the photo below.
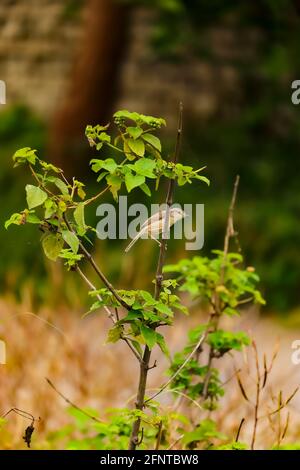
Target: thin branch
(93, 288)
(94, 418)
(94, 198)
(175, 442)
(216, 314)
(108, 311)
(96, 268)
(22, 413)
(257, 399)
(239, 430)
(230, 232)
(189, 357)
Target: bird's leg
(157, 241)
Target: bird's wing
(154, 218)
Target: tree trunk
(94, 83)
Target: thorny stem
(144, 366)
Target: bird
(155, 225)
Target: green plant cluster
(58, 207)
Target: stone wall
(37, 46)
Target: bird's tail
(135, 239)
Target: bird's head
(177, 214)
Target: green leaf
(35, 196)
(137, 146)
(79, 218)
(115, 184)
(133, 181)
(131, 316)
(52, 245)
(152, 140)
(114, 334)
(162, 344)
(50, 167)
(25, 154)
(145, 188)
(162, 308)
(15, 219)
(149, 336)
(33, 219)
(202, 178)
(60, 184)
(80, 191)
(145, 167)
(109, 164)
(134, 132)
(50, 208)
(224, 341)
(122, 114)
(149, 299)
(205, 431)
(71, 239)
(137, 346)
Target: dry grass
(71, 352)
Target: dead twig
(239, 429)
(71, 403)
(29, 429)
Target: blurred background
(69, 63)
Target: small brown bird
(154, 226)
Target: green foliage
(141, 155)
(113, 431)
(224, 285)
(200, 276)
(18, 127)
(144, 315)
(224, 341)
(232, 446)
(59, 208)
(248, 141)
(204, 433)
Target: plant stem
(257, 398)
(144, 366)
(216, 314)
(110, 314)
